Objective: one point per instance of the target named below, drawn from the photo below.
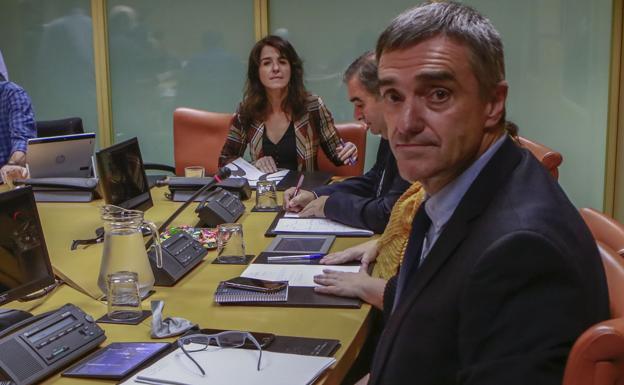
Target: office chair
(605, 229)
(551, 159)
(57, 127)
(198, 137)
(354, 132)
(597, 357)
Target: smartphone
(256, 284)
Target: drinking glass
(194, 172)
(266, 194)
(124, 302)
(230, 243)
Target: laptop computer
(61, 156)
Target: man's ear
(496, 106)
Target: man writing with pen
(364, 201)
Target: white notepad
(296, 275)
(235, 366)
(318, 226)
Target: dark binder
(271, 232)
(311, 180)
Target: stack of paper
(242, 169)
(233, 366)
(296, 275)
(293, 224)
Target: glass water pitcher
(124, 249)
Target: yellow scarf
(392, 243)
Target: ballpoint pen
(298, 187)
(352, 159)
(157, 381)
(302, 257)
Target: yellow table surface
(192, 297)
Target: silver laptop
(61, 156)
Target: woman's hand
(347, 152)
(355, 285)
(266, 164)
(364, 252)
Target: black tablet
(116, 360)
(301, 244)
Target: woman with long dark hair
(282, 123)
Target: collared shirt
(17, 121)
(441, 205)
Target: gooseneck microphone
(222, 173)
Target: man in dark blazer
(500, 274)
(363, 201)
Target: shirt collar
(441, 205)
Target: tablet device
(301, 244)
(116, 360)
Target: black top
(284, 152)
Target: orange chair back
(551, 159)
(350, 132)
(605, 229)
(198, 137)
(597, 357)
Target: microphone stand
(222, 174)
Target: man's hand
(365, 252)
(296, 203)
(316, 208)
(266, 164)
(9, 173)
(18, 158)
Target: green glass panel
(48, 50)
(557, 58)
(167, 54)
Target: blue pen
(303, 257)
(352, 159)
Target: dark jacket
(366, 201)
(512, 281)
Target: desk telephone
(46, 345)
(219, 206)
(181, 253)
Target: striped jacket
(314, 128)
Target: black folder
(271, 232)
(311, 179)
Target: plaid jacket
(314, 128)
(17, 120)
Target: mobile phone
(256, 284)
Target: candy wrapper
(207, 237)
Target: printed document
(232, 366)
(316, 225)
(242, 169)
(296, 275)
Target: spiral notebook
(227, 294)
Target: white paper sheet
(296, 275)
(235, 366)
(243, 169)
(317, 225)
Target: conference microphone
(182, 182)
(222, 174)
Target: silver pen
(157, 381)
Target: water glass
(266, 194)
(230, 243)
(124, 302)
(194, 172)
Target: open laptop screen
(122, 176)
(24, 262)
(66, 156)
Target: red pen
(299, 183)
